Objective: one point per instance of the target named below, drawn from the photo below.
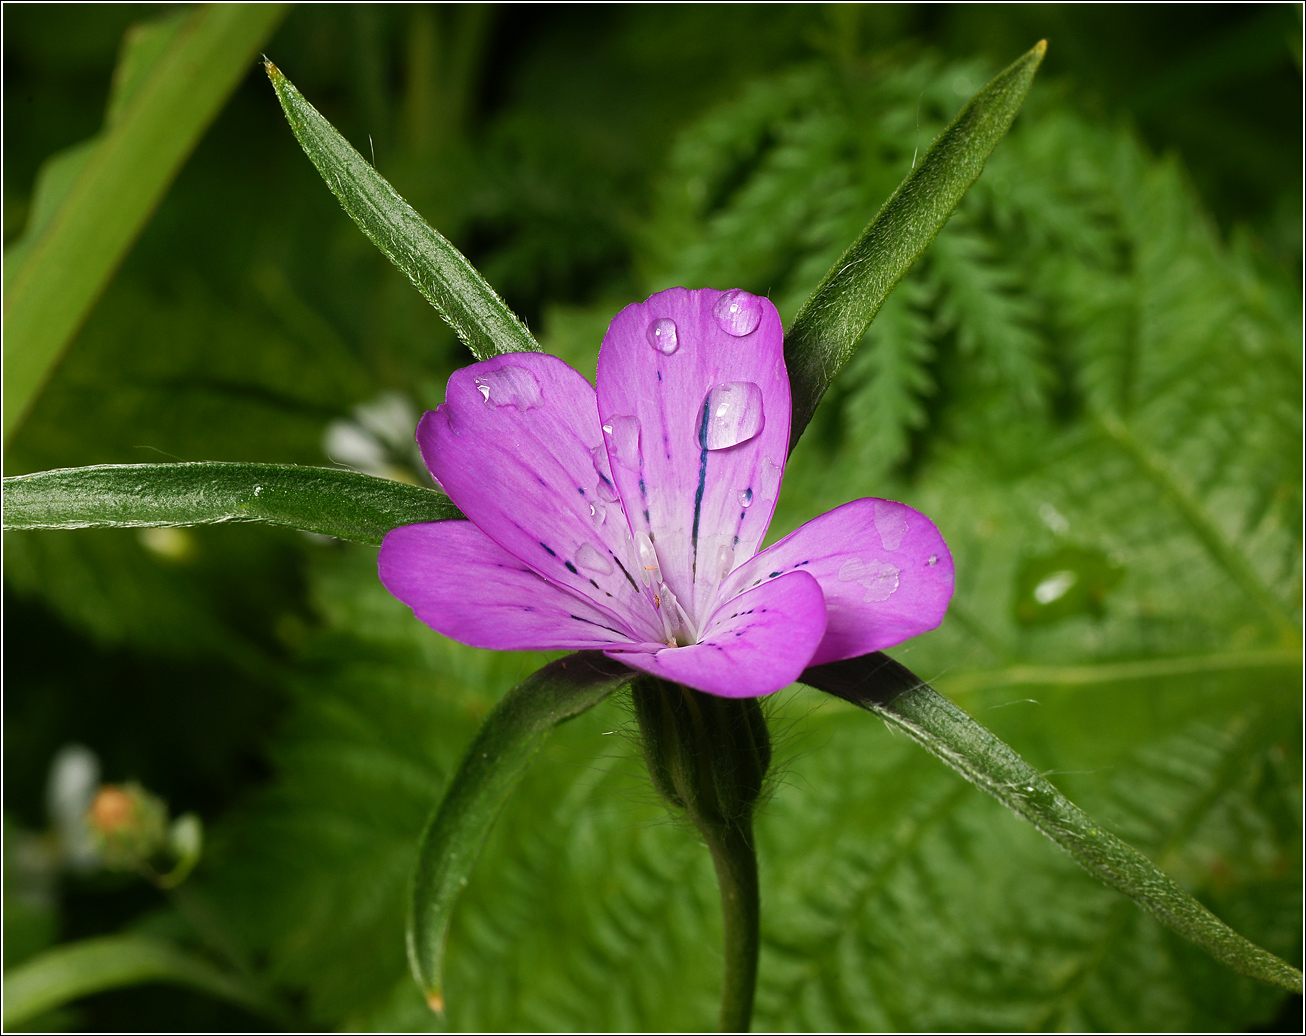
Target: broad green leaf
(878, 684)
(65, 973)
(107, 192)
(504, 747)
(347, 504)
(826, 330)
(438, 270)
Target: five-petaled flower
(628, 519)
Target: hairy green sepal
(825, 333)
(508, 740)
(347, 504)
(441, 273)
(877, 683)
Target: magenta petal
(517, 447)
(755, 644)
(883, 567)
(694, 403)
(462, 584)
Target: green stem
(733, 856)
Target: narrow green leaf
(878, 684)
(347, 504)
(827, 329)
(79, 969)
(498, 756)
(109, 194)
(440, 272)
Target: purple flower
(628, 520)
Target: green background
(1095, 370)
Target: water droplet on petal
(745, 498)
(767, 480)
(509, 386)
(879, 578)
(890, 523)
(592, 560)
(732, 413)
(623, 441)
(933, 559)
(598, 513)
(738, 313)
(648, 559)
(725, 561)
(663, 337)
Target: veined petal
(694, 403)
(517, 447)
(754, 644)
(883, 567)
(462, 584)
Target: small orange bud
(112, 810)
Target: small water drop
(509, 386)
(745, 498)
(648, 559)
(598, 513)
(767, 480)
(890, 523)
(738, 313)
(725, 561)
(879, 578)
(623, 441)
(663, 337)
(592, 560)
(933, 559)
(1055, 586)
(732, 413)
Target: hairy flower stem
(708, 756)
(736, 871)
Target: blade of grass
(439, 271)
(78, 969)
(347, 504)
(496, 759)
(63, 269)
(827, 329)
(877, 683)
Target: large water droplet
(879, 578)
(509, 386)
(623, 441)
(732, 413)
(592, 560)
(663, 337)
(648, 559)
(738, 313)
(745, 498)
(890, 523)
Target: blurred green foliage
(1095, 369)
